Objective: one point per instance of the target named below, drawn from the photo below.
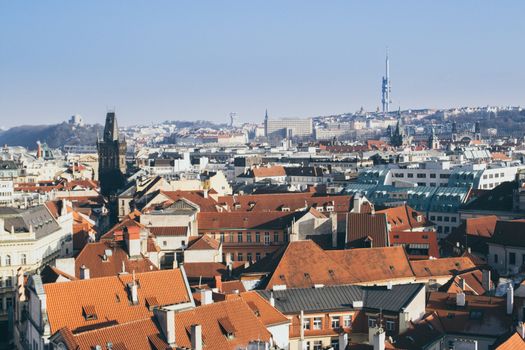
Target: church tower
(433, 141)
(111, 157)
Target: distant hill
(56, 136)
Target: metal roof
(335, 298)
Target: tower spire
(385, 88)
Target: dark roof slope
(334, 298)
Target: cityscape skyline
(296, 59)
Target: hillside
(56, 136)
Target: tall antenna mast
(385, 88)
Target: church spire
(111, 128)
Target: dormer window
(89, 312)
(227, 328)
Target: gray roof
(338, 298)
(38, 217)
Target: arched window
(8, 260)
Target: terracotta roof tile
(403, 218)
(363, 226)
(92, 256)
(291, 201)
(514, 342)
(204, 242)
(441, 267)
(110, 297)
(168, 230)
(268, 315)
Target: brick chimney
(218, 283)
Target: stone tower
(111, 157)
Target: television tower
(385, 88)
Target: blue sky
(158, 60)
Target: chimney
(379, 339)
(63, 208)
(343, 341)
(510, 299)
(460, 299)
(133, 290)
(206, 297)
(196, 337)
(218, 283)
(133, 241)
(389, 285)
(272, 300)
(166, 320)
(357, 203)
(301, 320)
(486, 280)
(205, 193)
(521, 330)
(333, 219)
(84, 272)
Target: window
(231, 237)
(444, 176)
(496, 258)
(8, 282)
(239, 237)
(249, 256)
(421, 176)
(257, 237)
(257, 256)
(347, 321)
(335, 322)
(432, 218)
(248, 237)
(372, 322)
(447, 219)
(276, 236)
(318, 345)
(8, 260)
(512, 258)
(390, 326)
(432, 176)
(410, 175)
(222, 237)
(267, 238)
(318, 323)
(164, 243)
(306, 324)
(334, 343)
(453, 219)
(239, 257)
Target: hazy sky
(156, 60)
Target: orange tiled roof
(268, 315)
(367, 226)
(110, 298)
(137, 335)
(204, 242)
(514, 342)
(168, 230)
(482, 226)
(292, 201)
(441, 267)
(289, 266)
(233, 313)
(92, 256)
(244, 220)
(404, 218)
(195, 197)
(273, 171)
(375, 264)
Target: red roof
(168, 230)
